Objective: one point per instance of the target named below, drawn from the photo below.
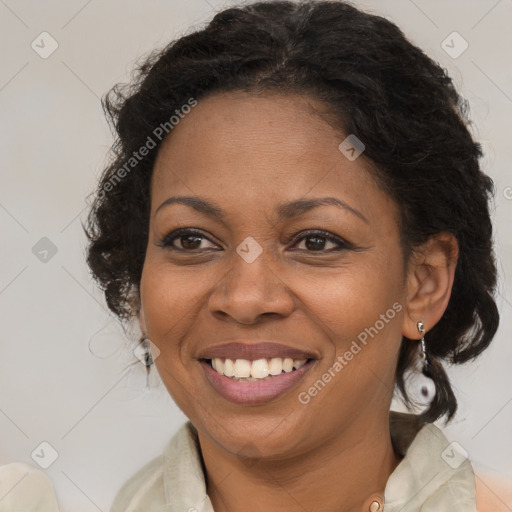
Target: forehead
(251, 149)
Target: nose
(250, 291)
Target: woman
(296, 215)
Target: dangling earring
(428, 388)
(423, 349)
(146, 357)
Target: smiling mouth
(245, 370)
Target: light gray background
(65, 368)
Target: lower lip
(254, 392)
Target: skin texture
(249, 154)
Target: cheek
(170, 298)
(360, 313)
(167, 307)
(170, 305)
(354, 298)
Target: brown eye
(189, 239)
(316, 241)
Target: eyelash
(168, 240)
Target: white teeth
(260, 369)
(229, 368)
(218, 364)
(275, 366)
(288, 365)
(242, 368)
(298, 363)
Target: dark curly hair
(377, 85)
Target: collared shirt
(26, 488)
(433, 476)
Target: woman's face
(262, 272)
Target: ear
(430, 276)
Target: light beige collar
(432, 476)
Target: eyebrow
(284, 212)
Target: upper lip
(253, 351)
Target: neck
(346, 471)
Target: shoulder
(25, 487)
(144, 488)
(434, 475)
(149, 487)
